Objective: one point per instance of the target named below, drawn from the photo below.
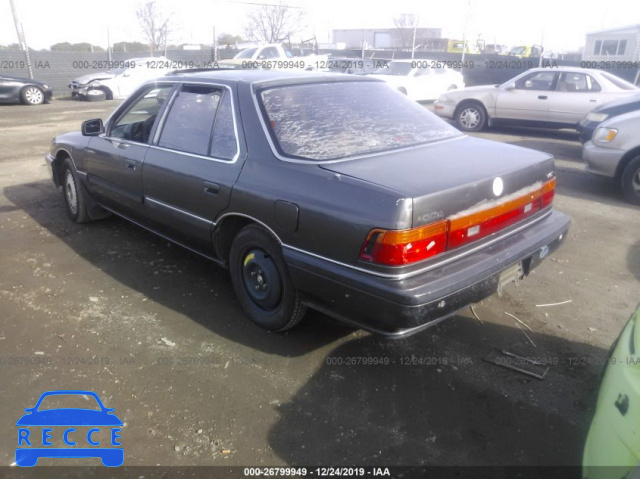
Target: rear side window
(194, 115)
(328, 121)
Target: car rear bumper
(399, 307)
(601, 161)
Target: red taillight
(395, 248)
(401, 247)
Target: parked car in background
(546, 97)
(495, 49)
(526, 51)
(421, 79)
(613, 443)
(24, 90)
(327, 191)
(595, 117)
(614, 152)
(277, 57)
(119, 82)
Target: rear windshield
(619, 82)
(329, 121)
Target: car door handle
(131, 166)
(119, 144)
(211, 188)
(542, 97)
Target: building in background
(618, 44)
(384, 37)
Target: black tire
(74, 200)
(630, 181)
(95, 95)
(261, 280)
(32, 95)
(471, 117)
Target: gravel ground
(157, 332)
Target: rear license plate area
(513, 274)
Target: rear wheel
(631, 181)
(471, 117)
(74, 199)
(261, 280)
(32, 95)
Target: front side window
(136, 122)
(334, 120)
(536, 81)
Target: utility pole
(415, 29)
(16, 22)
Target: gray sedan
(614, 151)
(313, 195)
(545, 97)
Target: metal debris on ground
(475, 314)
(517, 363)
(167, 342)
(553, 304)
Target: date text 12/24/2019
(316, 471)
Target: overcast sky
(560, 24)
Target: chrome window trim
(288, 159)
(233, 114)
(179, 210)
(166, 114)
(255, 220)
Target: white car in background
(122, 80)
(614, 151)
(557, 97)
(420, 79)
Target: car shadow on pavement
(431, 400)
(168, 274)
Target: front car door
(114, 159)
(528, 99)
(192, 164)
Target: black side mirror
(92, 127)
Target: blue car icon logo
(77, 432)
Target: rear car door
(576, 95)
(529, 100)
(193, 163)
(114, 160)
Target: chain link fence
(58, 68)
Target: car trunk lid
(462, 190)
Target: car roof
(262, 77)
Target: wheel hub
(261, 279)
(70, 191)
(469, 118)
